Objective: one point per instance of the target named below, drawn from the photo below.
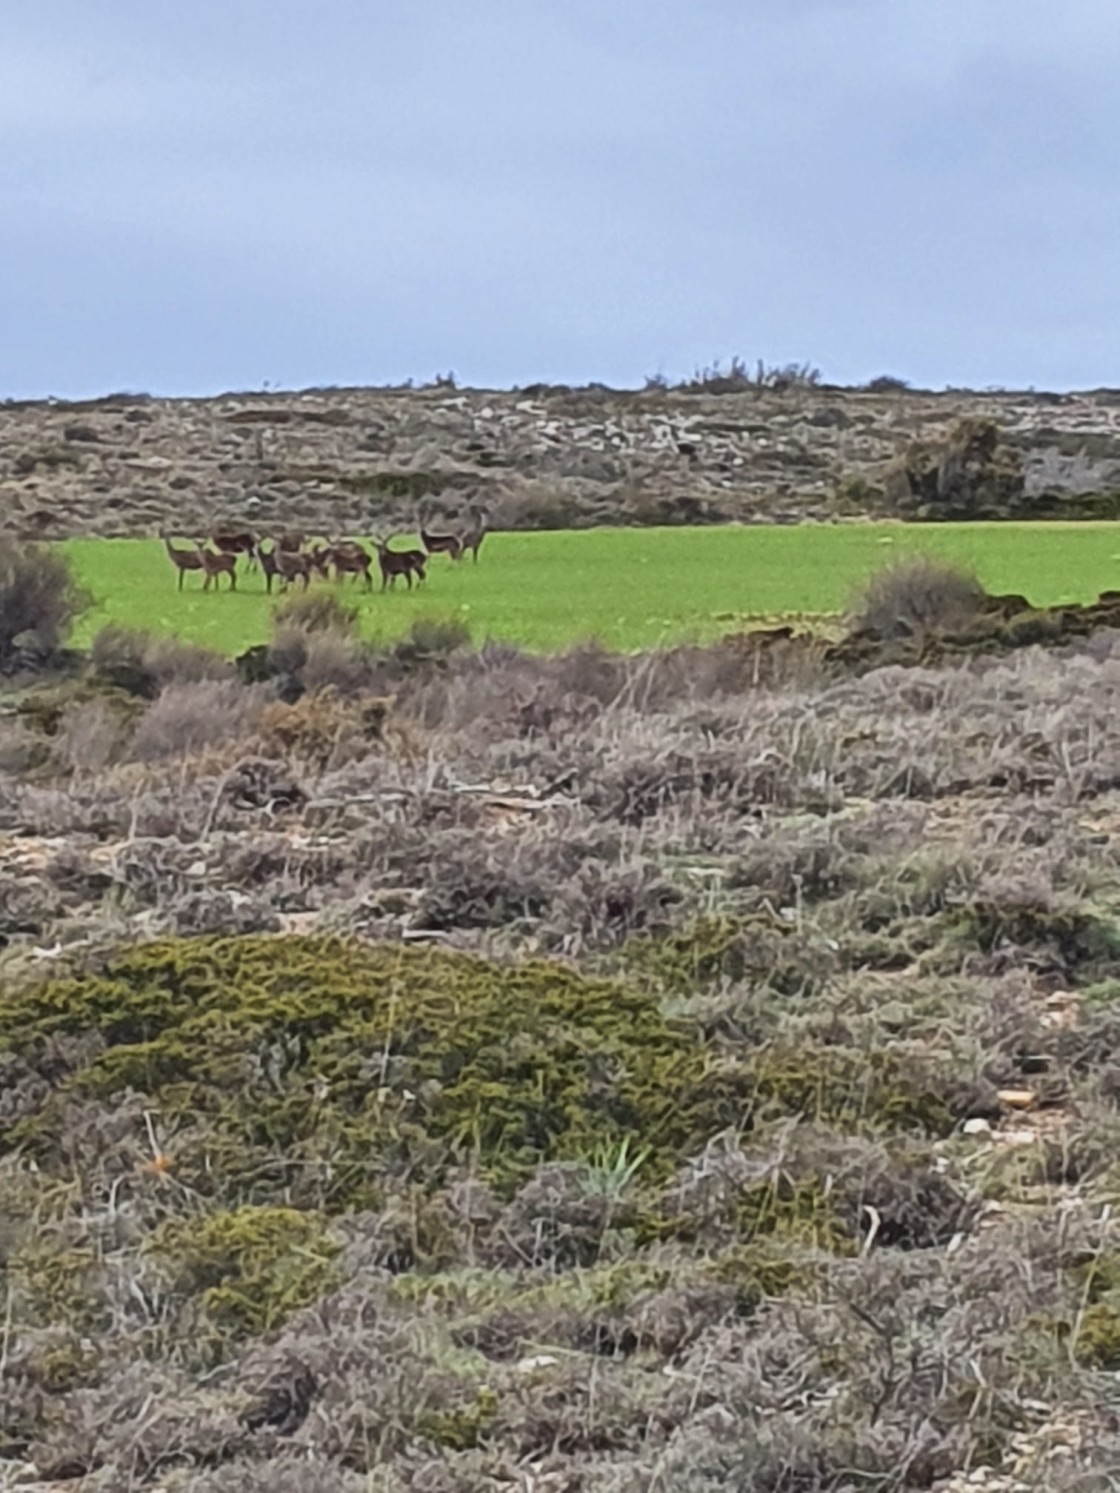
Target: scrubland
(448, 1068)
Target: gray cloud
(519, 190)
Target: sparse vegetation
(424, 1063)
(39, 599)
(314, 611)
(916, 597)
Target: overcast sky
(227, 193)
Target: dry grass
(896, 896)
(917, 596)
(39, 598)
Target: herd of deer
(292, 558)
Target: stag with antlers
(183, 560)
(399, 562)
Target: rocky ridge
(332, 460)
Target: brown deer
(292, 566)
(183, 560)
(349, 558)
(319, 556)
(236, 542)
(267, 561)
(473, 537)
(290, 542)
(399, 562)
(440, 544)
(216, 564)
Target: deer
(473, 537)
(399, 562)
(216, 564)
(349, 558)
(291, 566)
(440, 544)
(183, 560)
(236, 542)
(290, 542)
(266, 559)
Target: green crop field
(630, 588)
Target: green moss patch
(250, 1269)
(312, 1069)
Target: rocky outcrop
(332, 460)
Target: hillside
(542, 457)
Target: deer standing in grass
(216, 564)
(183, 560)
(439, 544)
(473, 537)
(399, 562)
(292, 566)
(266, 559)
(349, 558)
(236, 542)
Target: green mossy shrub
(884, 1089)
(761, 1270)
(56, 1286)
(67, 1363)
(706, 952)
(463, 1427)
(799, 1212)
(1028, 916)
(248, 1270)
(1098, 1337)
(1098, 1328)
(711, 952)
(313, 1069)
(1102, 992)
(658, 1298)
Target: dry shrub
(21, 749)
(323, 731)
(314, 611)
(287, 653)
(917, 596)
(39, 598)
(144, 664)
(431, 640)
(336, 660)
(187, 717)
(90, 735)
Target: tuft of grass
(315, 611)
(917, 596)
(40, 597)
